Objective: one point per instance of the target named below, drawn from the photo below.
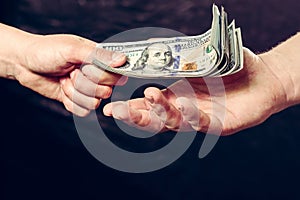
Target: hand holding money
(218, 52)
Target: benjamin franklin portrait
(156, 57)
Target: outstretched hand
(251, 96)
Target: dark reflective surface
(43, 158)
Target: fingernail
(122, 80)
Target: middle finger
(163, 108)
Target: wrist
(13, 45)
(285, 78)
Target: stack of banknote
(217, 52)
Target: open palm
(237, 102)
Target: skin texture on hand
(252, 95)
(50, 65)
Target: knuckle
(68, 105)
(122, 81)
(69, 91)
(81, 87)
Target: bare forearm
(284, 62)
(13, 44)
(289, 52)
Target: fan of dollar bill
(217, 52)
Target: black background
(42, 156)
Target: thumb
(111, 58)
(85, 51)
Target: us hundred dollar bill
(217, 52)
